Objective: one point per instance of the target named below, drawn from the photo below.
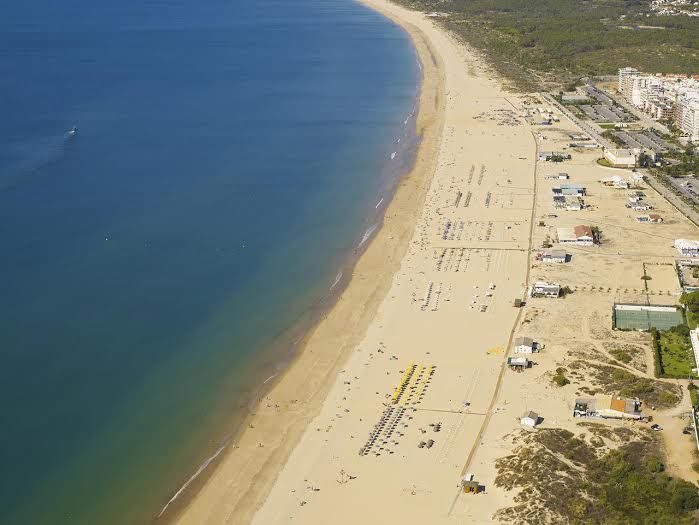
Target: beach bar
(469, 484)
(518, 363)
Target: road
(590, 128)
(671, 197)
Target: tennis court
(645, 317)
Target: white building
(555, 256)
(580, 235)
(622, 158)
(670, 97)
(625, 78)
(530, 419)
(688, 117)
(651, 217)
(686, 247)
(542, 289)
(525, 345)
(518, 363)
(695, 347)
(615, 181)
(608, 408)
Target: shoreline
(279, 355)
(429, 369)
(369, 281)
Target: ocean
(157, 264)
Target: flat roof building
(529, 419)
(542, 289)
(469, 484)
(525, 345)
(569, 203)
(608, 408)
(569, 189)
(518, 363)
(652, 217)
(687, 247)
(581, 235)
(621, 158)
(554, 256)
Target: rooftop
(686, 243)
(526, 341)
(583, 231)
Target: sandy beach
(429, 305)
(403, 388)
(242, 480)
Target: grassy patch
(676, 352)
(692, 320)
(617, 381)
(691, 302)
(621, 355)
(567, 478)
(559, 378)
(693, 394)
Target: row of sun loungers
(413, 384)
(450, 258)
(386, 432)
(481, 175)
(428, 295)
(394, 419)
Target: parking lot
(644, 140)
(687, 186)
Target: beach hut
(469, 484)
(518, 363)
(525, 345)
(554, 256)
(530, 419)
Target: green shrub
(621, 355)
(560, 379)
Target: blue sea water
(228, 159)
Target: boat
(72, 131)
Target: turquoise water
(228, 160)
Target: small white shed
(524, 345)
(530, 419)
